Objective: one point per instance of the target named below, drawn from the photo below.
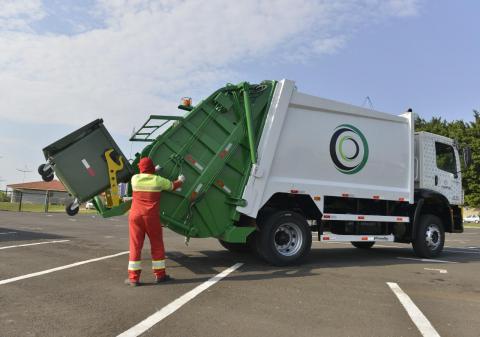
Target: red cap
(146, 165)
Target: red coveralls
(145, 218)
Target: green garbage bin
(79, 162)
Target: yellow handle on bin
(112, 195)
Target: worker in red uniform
(145, 218)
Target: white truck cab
(437, 166)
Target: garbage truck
(268, 166)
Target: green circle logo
(348, 149)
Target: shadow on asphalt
(11, 235)
(212, 261)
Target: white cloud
(401, 7)
(149, 53)
(17, 15)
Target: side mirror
(467, 156)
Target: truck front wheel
(284, 238)
(430, 237)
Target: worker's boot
(132, 283)
(164, 278)
(133, 278)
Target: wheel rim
(433, 236)
(288, 239)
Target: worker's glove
(182, 178)
(157, 168)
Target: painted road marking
(48, 271)
(472, 248)
(34, 244)
(425, 260)
(462, 251)
(177, 304)
(8, 233)
(389, 246)
(422, 323)
(442, 271)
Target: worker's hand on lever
(178, 183)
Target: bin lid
(71, 138)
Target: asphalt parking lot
(62, 276)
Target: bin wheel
(362, 245)
(43, 172)
(48, 177)
(72, 211)
(284, 238)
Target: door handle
(436, 180)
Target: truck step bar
(352, 238)
(359, 217)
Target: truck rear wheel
(430, 237)
(363, 245)
(284, 238)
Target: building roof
(53, 185)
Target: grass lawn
(471, 225)
(26, 207)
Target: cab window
(445, 157)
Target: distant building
(36, 192)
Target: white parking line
(425, 260)
(8, 233)
(418, 318)
(442, 271)
(76, 264)
(468, 248)
(389, 246)
(462, 251)
(33, 244)
(175, 305)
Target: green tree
(4, 197)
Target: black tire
(48, 177)
(363, 245)
(235, 247)
(430, 237)
(70, 211)
(44, 173)
(284, 238)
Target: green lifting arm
(248, 112)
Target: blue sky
(63, 65)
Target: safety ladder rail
(146, 131)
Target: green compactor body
(214, 145)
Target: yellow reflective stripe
(146, 189)
(158, 264)
(145, 182)
(134, 265)
(165, 184)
